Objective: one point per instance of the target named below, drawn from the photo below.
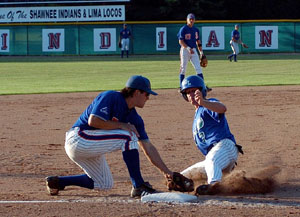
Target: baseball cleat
(202, 190)
(52, 184)
(145, 189)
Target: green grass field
(53, 74)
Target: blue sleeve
(215, 115)
(138, 122)
(180, 34)
(103, 106)
(141, 129)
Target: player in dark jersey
(108, 124)
(124, 39)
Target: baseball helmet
(192, 82)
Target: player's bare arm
(154, 157)
(196, 98)
(213, 106)
(98, 123)
(199, 46)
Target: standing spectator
(124, 39)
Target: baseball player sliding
(211, 134)
(108, 124)
(189, 41)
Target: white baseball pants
(235, 47)
(87, 148)
(125, 44)
(220, 158)
(185, 57)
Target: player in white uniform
(189, 41)
(211, 134)
(108, 124)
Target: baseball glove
(245, 46)
(180, 183)
(120, 44)
(203, 61)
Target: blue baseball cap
(190, 16)
(141, 83)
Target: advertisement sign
(62, 14)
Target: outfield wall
(148, 37)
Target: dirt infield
(265, 120)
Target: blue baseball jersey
(111, 105)
(209, 128)
(189, 35)
(125, 33)
(235, 34)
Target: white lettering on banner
(266, 37)
(53, 40)
(161, 38)
(62, 14)
(213, 38)
(105, 39)
(4, 40)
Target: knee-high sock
(132, 160)
(201, 76)
(181, 77)
(78, 180)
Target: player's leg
(233, 51)
(87, 149)
(236, 51)
(222, 156)
(184, 59)
(123, 47)
(195, 172)
(127, 47)
(196, 63)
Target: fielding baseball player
(124, 39)
(211, 134)
(189, 41)
(234, 43)
(108, 124)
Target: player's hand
(198, 97)
(130, 128)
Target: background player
(211, 134)
(110, 123)
(124, 39)
(189, 41)
(234, 43)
